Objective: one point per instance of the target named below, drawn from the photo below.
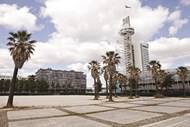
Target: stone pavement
(83, 111)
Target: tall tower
(126, 32)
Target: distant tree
(42, 86)
(53, 86)
(58, 86)
(32, 84)
(25, 85)
(6, 84)
(182, 72)
(18, 87)
(1, 85)
(20, 47)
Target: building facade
(148, 83)
(144, 58)
(65, 79)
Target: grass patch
(131, 97)
(159, 96)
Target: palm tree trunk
(126, 89)
(157, 92)
(115, 91)
(130, 89)
(110, 89)
(12, 88)
(136, 95)
(121, 91)
(161, 91)
(184, 89)
(95, 88)
(106, 89)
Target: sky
(71, 33)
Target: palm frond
(21, 47)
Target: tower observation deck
(126, 32)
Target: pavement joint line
(83, 115)
(177, 123)
(175, 106)
(52, 121)
(165, 116)
(44, 117)
(113, 124)
(160, 118)
(179, 112)
(120, 107)
(75, 113)
(147, 121)
(148, 111)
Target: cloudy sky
(70, 33)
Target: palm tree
(20, 47)
(121, 80)
(161, 78)
(154, 67)
(134, 74)
(114, 82)
(168, 82)
(111, 59)
(94, 66)
(125, 83)
(182, 72)
(137, 73)
(106, 76)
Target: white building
(5, 77)
(141, 55)
(126, 32)
(64, 78)
(135, 54)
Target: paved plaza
(83, 111)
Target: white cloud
(185, 2)
(177, 22)
(100, 20)
(82, 25)
(169, 50)
(78, 67)
(172, 30)
(15, 18)
(69, 51)
(147, 21)
(6, 63)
